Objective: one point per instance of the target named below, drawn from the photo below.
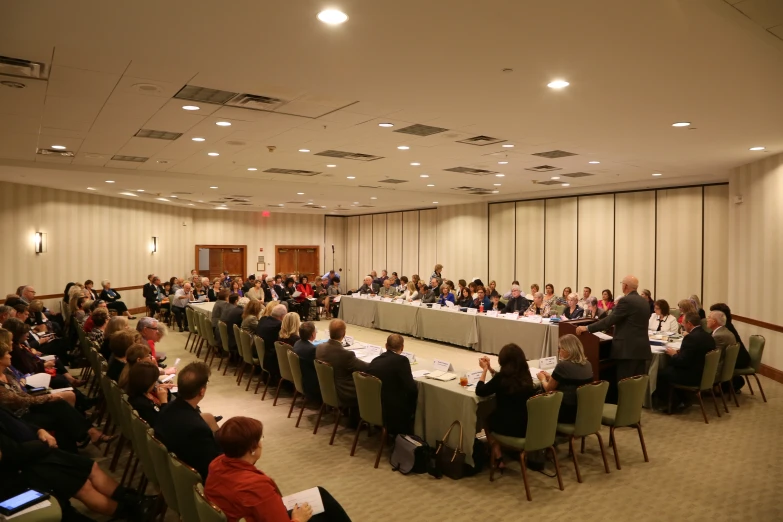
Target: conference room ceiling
(459, 82)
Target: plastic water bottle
(481, 308)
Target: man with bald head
(630, 345)
(369, 287)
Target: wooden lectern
(596, 350)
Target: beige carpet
(727, 470)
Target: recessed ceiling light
(221, 208)
(752, 148)
(223, 123)
(558, 84)
(175, 197)
(213, 154)
(555, 177)
(415, 164)
(681, 124)
(161, 199)
(201, 201)
(430, 185)
(58, 147)
(495, 191)
(109, 181)
(300, 193)
(211, 188)
(331, 166)
(191, 204)
(500, 175)
(508, 146)
(385, 125)
(90, 188)
(373, 197)
(351, 177)
(565, 184)
(252, 168)
(434, 202)
(594, 162)
(191, 107)
(129, 194)
(497, 184)
(424, 175)
(281, 205)
(502, 162)
(139, 190)
(355, 202)
(197, 139)
(657, 174)
(403, 147)
(332, 16)
(304, 150)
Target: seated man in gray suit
(716, 321)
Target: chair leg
(760, 388)
(380, 450)
(603, 451)
(747, 381)
(336, 424)
(301, 411)
(671, 395)
(715, 401)
(260, 375)
(109, 430)
(641, 439)
(492, 462)
(557, 467)
(356, 437)
(117, 451)
(277, 393)
(133, 471)
(318, 420)
(240, 371)
(293, 401)
(733, 393)
(127, 467)
(266, 387)
(722, 398)
(613, 444)
(573, 457)
(524, 475)
(703, 411)
(582, 450)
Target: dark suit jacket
(344, 363)
(268, 329)
(232, 316)
(688, 365)
(398, 392)
(517, 304)
(182, 430)
(629, 317)
(578, 313)
(306, 352)
(431, 296)
(150, 293)
(148, 410)
(372, 289)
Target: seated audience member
(538, 307)
(697, 303)
(144, 394)
(175, 283)
(137, 352)
(430, 293)
(716, 321)
(242, 491)
(344, 363)
(226, 280)
(6, 312)
(497, 306)
(280, 289)
(512, 386)
(472, 288)
(219, 307)
(445, 296)
(305, 289)
(90, 291)
(661, 320)
(250, 283)
(387, 290)
(607, 300)
(100, 321)
(686, 307)
(181, 426)
(549, 295)
(399, 392)
(152, 331)
(481, 299)
(120, 342)
(214, 291)
(87, 326)
(40, 320)
(114, 300)
(533, 290)
(114, 325)
(648, 297)
(410, 293)
(233, 316)
(27, 360)
(289, 329)
(686, 365)
(402, 284)
(591, 309)
(182, 297)
(255, 293)
(79, 313)
(586, 291)
(572, 310)
(563, 300)
(743, 359)
(421, 290)
(269, 330)
(572, 371)
(465, 299)
(516, 301)
(268, 287)
(305, 349)
(152, 295)
(250, 315)
(369, 287)
(236, 288)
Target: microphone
(332, 249)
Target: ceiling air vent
(365, 206)
(481, 141)
(369, 186)
(472, 172)
(157, 135)
(52, 152)
(348, 155)
(23, 68)
(548, 182)
(552, 154)
(204, 94)
(182, 193)
(421, 130)
(578, 175)
(472, 190)
(255, 102)
(234, 196)
(294, 202)
(135, 159)
(544, 168)
(293, 172)
(393, 181)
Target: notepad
(603, 336)
(47, 357)
(441, 376)
(420, 373)
(309, 496)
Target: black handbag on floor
(410, 454)
(450, 461)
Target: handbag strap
(446, 436)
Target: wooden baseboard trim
(138, 310)
(772, 373)
(760, 324)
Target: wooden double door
(221, 257)
(298, 260)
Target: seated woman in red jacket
(305, 290)
(241, 490)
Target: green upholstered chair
(558, 309)
(246, 345)
(207, 511)
(589, 412)
(160, 460)
(240, 350)
(726, 373)
(258, 342)
(200, 318)
(126, 412)
(542, 412)
(675, 312)
(51, 513)
(368, 394)
(756, 349)
(192, 327)
(281, 350)
(296, 373)
(213, 347)
(223, 329)
(121, 422)
(711, 361)
(705, 327)
(326, 383)
(140, 429)
(185, 479)
(627, 412)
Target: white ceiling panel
(45, 141)
(24, 124)
(305, 108)
(766, 13)
(68, 81)
(66, 133)
(144, 147)
(92, 56)
(345, 116)
(777, 31)
(127, 165)
(59, 160)
(172, 118)
(16, 145)
(146, 87)
(375, 109)
(22, 101)
(76, 109)
(96, 160)
(104, 142)
(173, 73)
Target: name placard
(547, 363)
(436, 306)
(387, 299)
(472, 311)
(415, 303)
(442, 366)
(513, 316)
(492, 313)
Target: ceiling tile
(15, 145)
(766, 13)
(144, 147)
(67, 81)
(46, 141)
(128, 165)
(146, 87)
(91, 57)
(175, 74)
(18, 123)
(173, 118)
(60, 160)
(97, 160)
(72, 108)
(22, 101)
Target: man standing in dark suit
(399, 391)
(305, 349)
(344, 363)
(181, 426)
(268, 329)
(631, 344)
(150, 293)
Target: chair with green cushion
(246, 343)
(160, 460)
(756, 349)
(627, 412)
(51, 513)
(296, 373)
(558, 309)
(192, 327)
(207, 511)
(542, 412)
(240, 353)
(726, 373)
(589, 412)
(126, 411)
(202, 335)
(711, 361)
(368, 394)
(140, 429)
(261, 353)
(122, 423)
(185, 479)
(223, 329)
(676, 313)
(326, 383)
(281, 350)
(209, 336)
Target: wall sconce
(40, 242)
(154, 244)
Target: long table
(478, 332)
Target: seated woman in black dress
(572, 371)
(113, 300)
(512, 387)
(572, 310)
(143, 393)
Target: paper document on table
(47, 357)
(492, 313)
(167, 378)
(603, 336)
(534, 373)
(309, 496)
(441, 376)
(411, 356)
(35, 507)
(531, 318)
(39, 380)
(420, 373)
(449, 304)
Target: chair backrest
(711, 361)
(185, 479)
(191, 316)
(207, 330)
(756, 350)
(675, 312)
(590, 407)
(122, 418)
(630, 398)
(223, 329)
(282, 360)
(246, 343)
(729, 361)
(142, 449)
(207, 511)
(542, 412)
(160, 459)
(326, 383)
(237, 338)
(705, 327)
(558, 309)
(260, 350)
(296, 370)
(368, 394)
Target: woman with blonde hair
(269, 307)
(289, 329)
(572, 371)
(250, 316)
(697, 303)
(76, 291)
(410, 293)
(437, 271)
(686, 307)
